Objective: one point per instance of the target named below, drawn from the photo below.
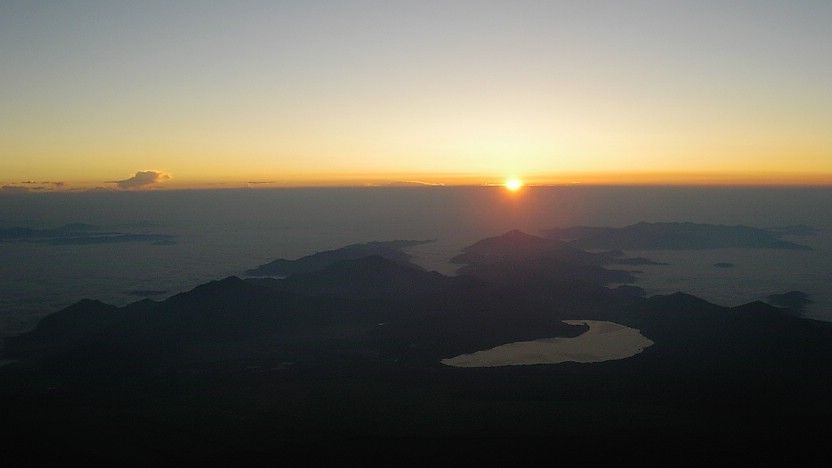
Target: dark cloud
(41, 186)
(13, 189)
(413, 183)
(141, 179)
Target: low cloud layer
(141, 179)
(44, 183)
(13, 189)
(413, 183)
(27, 186)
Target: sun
(513, 184)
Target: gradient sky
(348, 92)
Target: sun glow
(513, 184)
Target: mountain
(372, 276)
(795, 230)
(546, 272)
(514, 244)
(519, 246)
(516, 259)
(82, 320)
(392, 250)
(795, 301)
(225, 310)
(430, 311)
(350, 355)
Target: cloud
(141, 179)
(13, 189)
(413, 183)
(43, 186)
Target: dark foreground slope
(344, 362)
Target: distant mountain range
(391, 250)
(348, 347)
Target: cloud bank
(13, 189)
(27, 186)
(142, 179)
(413, 183)
(44, 183)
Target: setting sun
(514, 184)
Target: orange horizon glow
(445, 180)
(286, 94)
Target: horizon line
(597, 179)
(408, 187)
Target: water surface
(604, 341)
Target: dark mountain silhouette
(349, 353)
(630, 290)
(391, 250)
(795, 230)
(511, 245)
(82, 320)
(680, 302)
(358, 294)
(543, 271)
(146, 292)
(795, 301)
(672, 236)
(635, 261)
(367, 277)
(229, 309)
(518, 246)
(518, 259)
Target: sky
(136, 95)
